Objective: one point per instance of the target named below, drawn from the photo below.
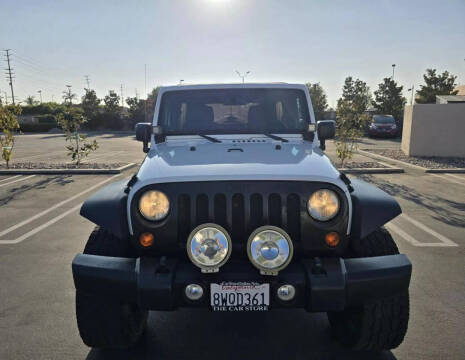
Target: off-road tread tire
(102, 322)
(379, 325)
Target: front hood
(261, 160)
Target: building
(450, 99)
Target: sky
(57, 43)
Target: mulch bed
(44, 165)
(430, 162)
(361, 165)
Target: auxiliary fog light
(286, 292)
(209, 247)
(194, 292)
(269, 249)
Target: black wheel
(379, 325)
(102, 322)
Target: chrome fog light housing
(323, 205)
(209, 247)
(286, 292)
(193, 292)
(269, 249)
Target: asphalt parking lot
(41, 231)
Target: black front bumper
(327, 284)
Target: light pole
(393, 67)
(242, 76)
(412, 89)
(40, 93)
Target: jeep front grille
(239, 214)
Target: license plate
(240, 296)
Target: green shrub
(44, 127)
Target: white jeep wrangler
(237, 208)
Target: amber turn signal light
(146, 239)
(332, 239)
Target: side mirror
(143, 133)
(326, 129)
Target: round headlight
(154, 205)
(323, 205)
(209, 247)
(269, 249)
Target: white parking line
(27, 221)
(447, 178)
(40, 228)
(444, 242)
(95, 157)
(18, 180)
(10, 178)
(39, 155)
(462, 179)
(394, 228)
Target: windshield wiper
(274, 137)
(209, 138)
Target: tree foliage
(112, 103)
(389, 99)
(30, 100)
(351, 117)
(90, 104)
(435, 84)
(71, 121)
(68, 97)
(8, 126)
(136, 110)
(319, 100)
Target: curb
(426, 170)
(389, 170)
(66, 171)
(445, 171)
(385, 158)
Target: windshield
(222, 111)
(383, 119)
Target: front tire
(103, 322)
(379, 325)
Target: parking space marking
(42, 213)
(394, 228)
(444, 241)
(41, 227)
(112, 154)
(18, 180)
(39, 155)
(10, 178)
(447, 178)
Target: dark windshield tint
(382, 119)
(234, 111)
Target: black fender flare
(107, 208)
(371, 208)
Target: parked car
(237, 208)
(383, 125)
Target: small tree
(351, 117)
(389, 99)
(71, 121)
(319, 100)
(8, 126)
(441, 84)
